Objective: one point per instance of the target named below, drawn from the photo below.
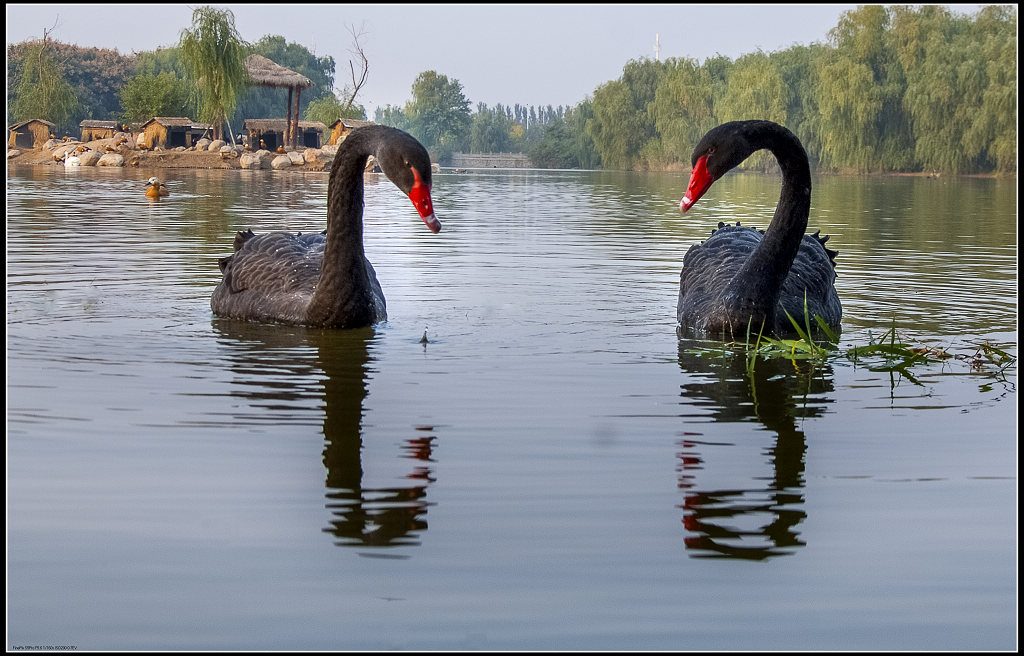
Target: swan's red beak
(700, 181)
(420, 197)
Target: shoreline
(161, 159)
(202, 159)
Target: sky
(530, 54)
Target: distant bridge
(490, 161)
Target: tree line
(894, 88)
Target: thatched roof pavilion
(266, 73)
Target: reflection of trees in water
(759, 521)
(274, 355)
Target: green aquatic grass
(891, 353)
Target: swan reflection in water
(299, 373)
(757, 518)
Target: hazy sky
(531, 54)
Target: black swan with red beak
(742, 277)
(324, 279)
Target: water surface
(553, 468)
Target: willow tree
(996, 123)
(41, 90)
(754, 89)
(214, 54)
(683, 108)
(623, 128)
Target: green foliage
(583, 148)
(392, 116)
(41, 92)
(214, 54)
(439, 114)
(161, 60)
(796, 69)
(490, 131)
(622, 126)
(754, 89)
(329, 109)
(146, 96)
(683, 108)
(555, 149)
(95, 75)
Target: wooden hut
(92, 130)
(32, 133)
(173, 131)
(272, 132)
(343, 126)
(266, 73)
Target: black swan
(742, 276)
(324, 280)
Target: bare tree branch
(364, 65)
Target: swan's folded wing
(812, 275)
(276, 262)
(713, 263)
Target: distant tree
(995, 124)
(617, 134)
(95, 74)
(939, 52)
(330, 108)
(795, 67)
(215, 55)
(161, 60)
(555, 148)
(754, 90)
(392, 116)
(582, 146)
(490, 131)
(859, 94)
(682, 108)
(146, 96)
(622, 127)
(41, 90)
(439, 114)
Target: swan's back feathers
(275, 262)
(710, 266)
(272, 277)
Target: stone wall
(490, 161)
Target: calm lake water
(554, 468)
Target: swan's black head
(406, 163)
(722, 149)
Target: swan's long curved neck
(344, 286)
(767, 267)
